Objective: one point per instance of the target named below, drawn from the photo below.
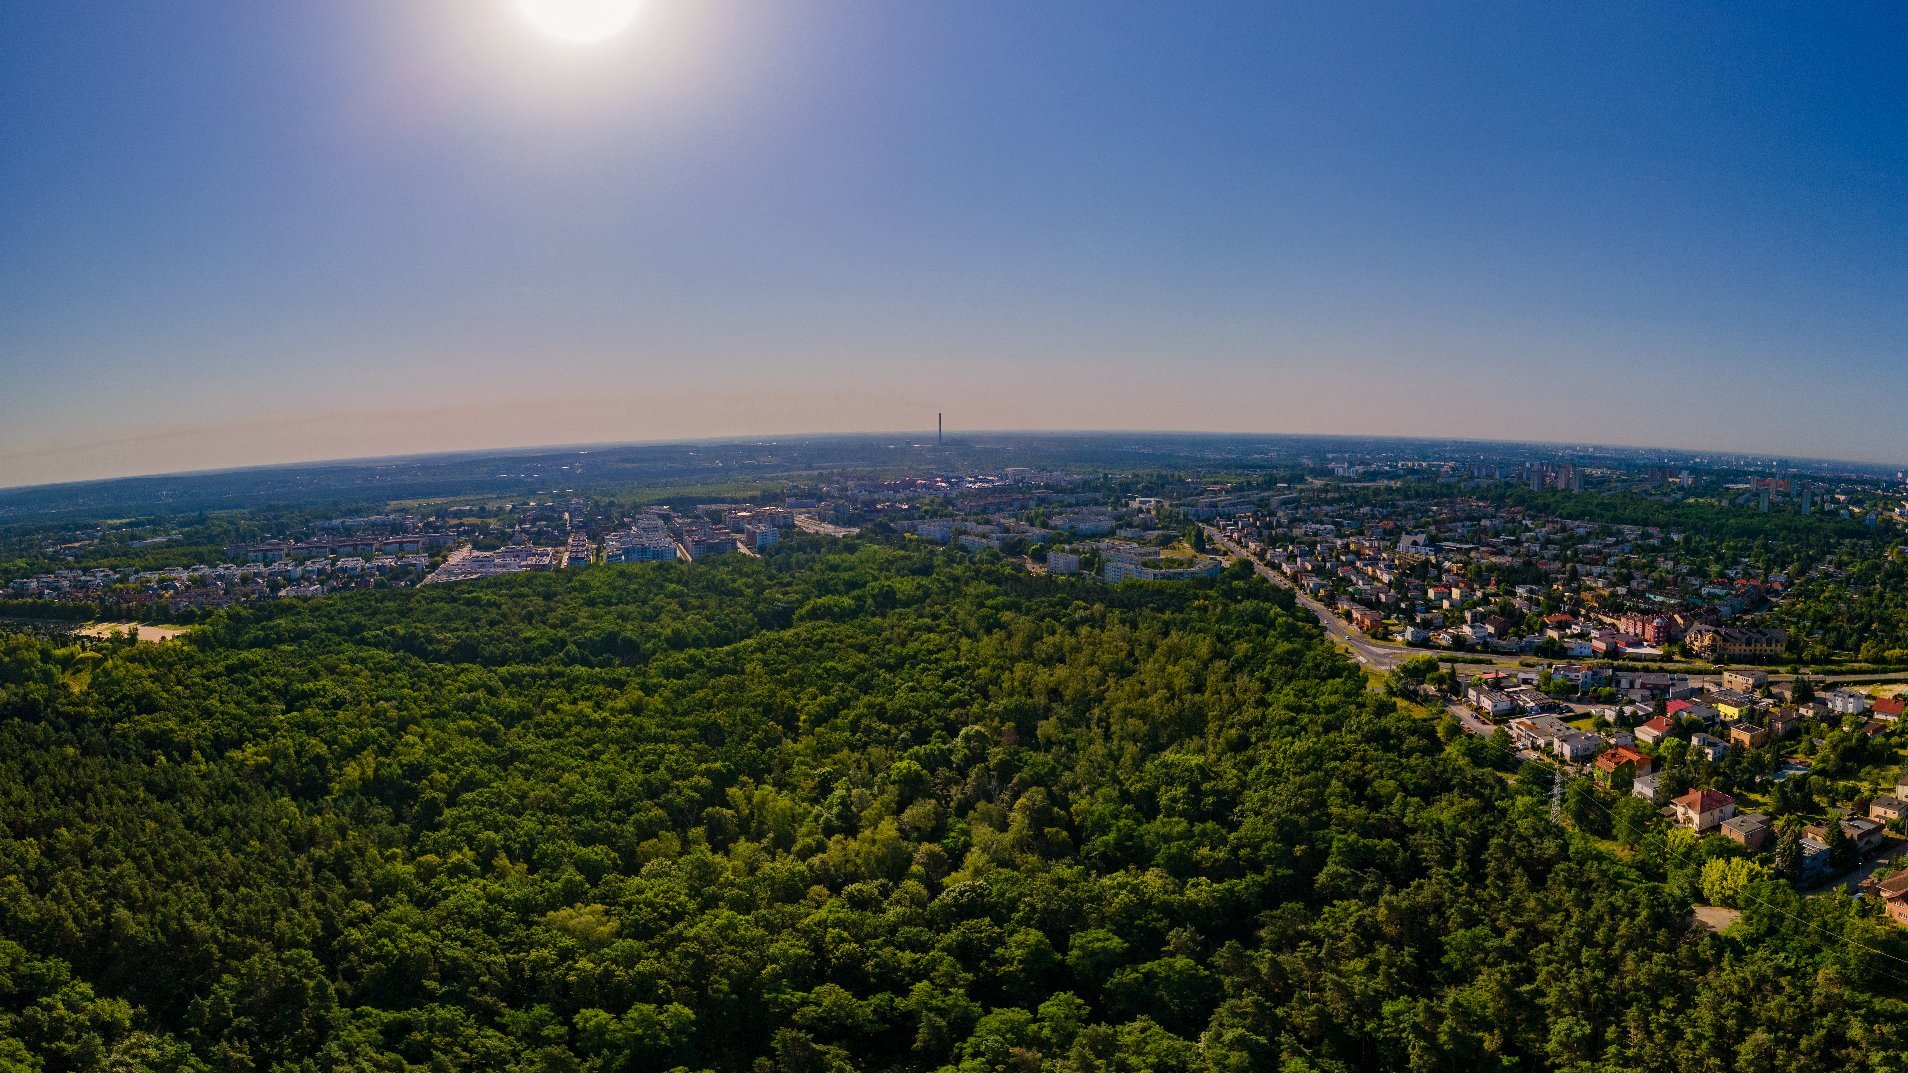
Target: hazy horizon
(955, 437)
(234, 235)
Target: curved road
(1373, 654)
(1381, 656)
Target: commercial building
(1719, 643)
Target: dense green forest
(1860, 608)
(852, 806)
(1711, 520)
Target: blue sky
(236, 233)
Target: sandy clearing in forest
(146, 633)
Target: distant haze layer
(236, 234)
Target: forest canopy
(850, 806)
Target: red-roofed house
(1676, 708)
(1888, 708)
(1703, 810)
(1614, 760)
(1894, 894)
(1654, 731)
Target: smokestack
(937, 430)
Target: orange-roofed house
(1654, 731)
(1703, 810)
(1894, 895)
(1615, 760)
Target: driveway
(1889, 851)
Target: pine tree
(1788, 854)
(1841, 851)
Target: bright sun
(581, 21)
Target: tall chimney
(937, 430)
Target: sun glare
(580, 21)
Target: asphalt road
(1853, 880)
(1471, 721)
(1373, 654)
(1383, 657)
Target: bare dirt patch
(146, 633)
(1715, 917)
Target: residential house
(1747, 735)
(1732, 704)
(1648, 686)
(1654, 731)
(1537, 731)
(1864, 833)
(1576, 746)
(1847, 702)
(1782, 720)
(1784, 692)
(1488, 701)
(1530, 699)
(1712, 748)
(1693, 709)
(1815, 858)
(1894, 896)
(1703, 810)
(1888, 709)
(1887, 807)
(1647, 787)
(1867, 834)
(1616, 759)
(1750, 829)
(1744, 681)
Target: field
(142, 631)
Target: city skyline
(1506, 453)
(238, 237)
